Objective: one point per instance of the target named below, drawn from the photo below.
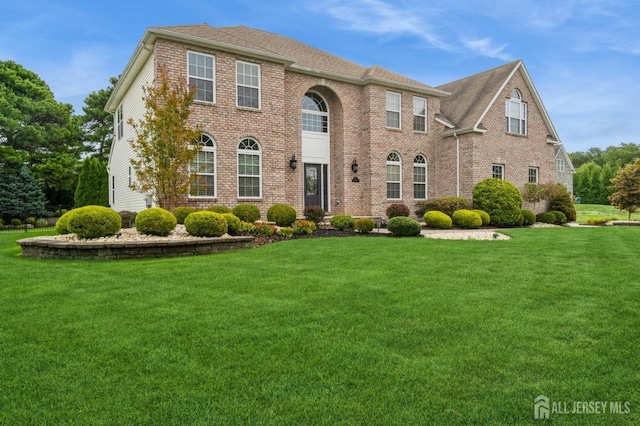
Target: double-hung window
(394, 101)
(516, 113)
(201, 72)
(559, 165)
(248, 84)
(249, 169)
(498, 171)
(419, 114)
(533, 174)
(420, 177)
(394, 176)
(204, 166)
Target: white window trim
(119, 122)
(213, 79)
(420, 115)
(493, 166)
(522, 113)
(426, 177)
(215, 169)
(537, 173)
(399, 111)
(560, 165)
(259, 176)
(387, 181)
(318, 113)
(259, 87)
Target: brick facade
(357, 131)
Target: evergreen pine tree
(20, 195)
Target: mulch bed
(261, 240)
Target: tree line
(46, 150)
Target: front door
(315, 188)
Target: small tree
(20, 194)
(627, 186)
(93, 184)
(165, 145)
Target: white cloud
(486, 47)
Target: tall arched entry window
(315, 150)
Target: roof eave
(405, 86)
(458, 132)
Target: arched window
(394, 176)
(204, 167)
(314, 113)
(420, 177)
(249, 169)
(516, 113)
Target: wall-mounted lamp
(293, 163)
(148, 201)
(354, 166)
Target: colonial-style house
(284, 122)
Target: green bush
(1, 224)
(62, 224)
(529, 217)
(16, 222)
(93, 222)
(561, 200)
(206, 224)
(343, 222)
(446, 205)
(219, 209)
(31, 220)
(398, 209)
(466, 219)
(402, 226)
(181, 213)
(501, 199)
(281, 214)
(437, 219)
(547, 217)
(561, 219)
(486, 219)
(155, 221)
(234, 224)
(247, 212)
(286, 232)
(301, 226)
(128, 218)
(364, 225)
(40, 223)
(314, 214)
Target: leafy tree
(97, 123)
(165, 145)
(93, 184)
(626, 183)
(592, 155)
(20, 194)
(618, 156)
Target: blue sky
(583, 55)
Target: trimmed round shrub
(364, 225)
(529, 217)
(206, 224)
(486, 219)
(128, 218)
(247, 212)
(402, 226)
(62, 224)
(437, 219)
(234, 224)
(397, 209)
(302, 226)
(561, 200)
(314, 213)
(446, 205)
(155, 221)
(547, 217)
(219, 209)
(16, 222)
(344, 222)
(181, 213)
(561, 219)
(40, 223)
(501, 199)
(466, 219)
(281, 214)
(93, 222)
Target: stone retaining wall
(51, 249)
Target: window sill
(248, 109)
(394, 129)
(517, 135)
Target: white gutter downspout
(457, 164)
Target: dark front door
(312, 185)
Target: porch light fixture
(354, 166)
(293, 163)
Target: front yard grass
(588, 211)
(327, 331)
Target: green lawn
(586, 211)
(333, 331)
